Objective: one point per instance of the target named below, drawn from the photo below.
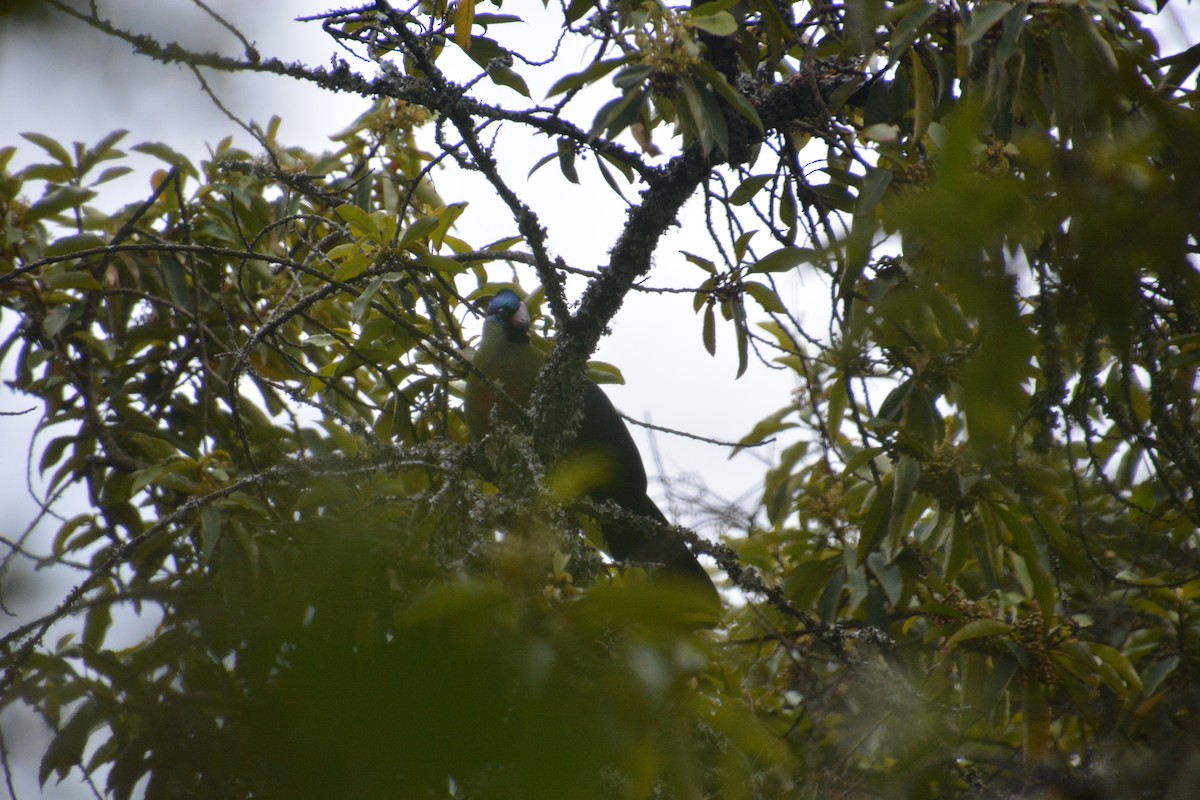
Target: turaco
(613, 466)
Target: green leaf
(74, 244)
(57, 201)
(1180, 66)
(1042, 583)
(1115, 659)
(729, 94)
(63, 537)
(874, 527)
(741, 335)
(616, 115)
(496, 19)
(343, 439)
(719, 23)
(210, 530)
(51, 173)
(579, 79)
(1155, 673)
(908, 472)
(709, 331)
(788, 212)
(706, 115)
(874, 185)
(359, 309)
(446, 219)
(619, 166)
(603, 372)
(701, 262)
(57, 319)
(157, 475)
(1035, 721)
(175, 275)
(450, 266)
(96, 624)
(892, 407)
(889, 575)
(923, 101)
(541, 162)
(741, 245)
(359, 262)
(361, 223)
(112, 173)
(632, 76)
(167, 154)
(66, 749)
(765, 429)
(746, 190)
(484, 52)
(388, 224)
(784, 259)
(862, 19)
(56, 150)
(75, 279)
(608, 177)
(983, 17)
(507, 77)
(578, 8)
(419, 231)
(766, 297)
(464, 17)
(907, 31)
(104, 147)
(980, 629)
(839, 400)
(566, 160)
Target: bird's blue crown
(509, 312)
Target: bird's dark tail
(640, 544)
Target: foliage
(974, 566)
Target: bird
(603, 452)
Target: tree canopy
(972, 569)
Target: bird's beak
(521, 318)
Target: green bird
(603, 452)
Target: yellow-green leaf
(441, 263)
(721, 23)
(464, 18)
(419, 231)
(361, 223)
(783, 259)
(355, 265)
(766, 297)
(980, 629)
(922, 86)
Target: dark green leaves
(66, 749)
